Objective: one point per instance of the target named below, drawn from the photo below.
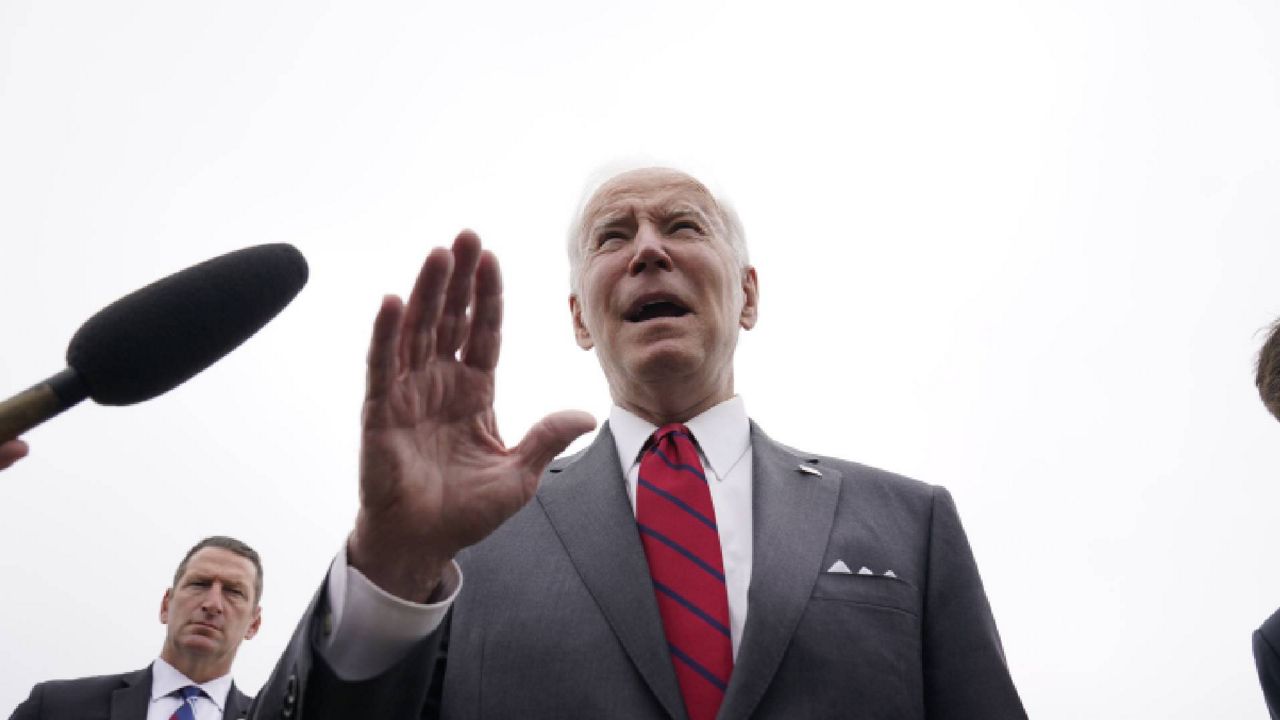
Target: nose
(212, 602)
(649, 251)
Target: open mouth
(656, 309)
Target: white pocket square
(839, 567)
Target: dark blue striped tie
(677, 524)
(187, 710)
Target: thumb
(550, 436)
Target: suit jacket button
(290, 697)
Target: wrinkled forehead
(652, 192)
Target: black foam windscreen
(158, 337)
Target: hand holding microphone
(160, 336)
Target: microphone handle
(33, 406)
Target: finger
(485, 335)
(451, 330)
(550, 436)
(11, 452)
(382, 348)
(417, 332)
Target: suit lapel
(586, 503)
(131, 701)
(793, 512)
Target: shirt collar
(166, 679)
(723, 433)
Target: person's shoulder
(86, 683)
(75, 690)
(850, 471)
(1270, 630)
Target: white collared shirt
(166, 679)
(370, 629)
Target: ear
(580, 331)
(750, 298)
(164, 607)
(253, 626)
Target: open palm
(435, 476)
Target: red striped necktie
(677, 524)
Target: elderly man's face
(662, 295)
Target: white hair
(577, 241)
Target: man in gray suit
(211, 608)
(684, 565)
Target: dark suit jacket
(557, 616)
(106, 697)
(1266, 644)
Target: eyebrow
(624, 214)
(684, 209)
(226, 582)
(612, 217)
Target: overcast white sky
(1022, 250)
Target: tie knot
(671, 431)
(189, 692)
(672, 445)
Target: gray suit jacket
(105, 697)
(557, 616)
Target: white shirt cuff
(368, 629)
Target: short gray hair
(230, 544)
(577, 241)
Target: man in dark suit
(1266, 639)
(211, 608)
(684, 565)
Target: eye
(686, 227)
(610, 237)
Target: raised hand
(434, 475)
(11, 452)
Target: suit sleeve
(304, 687)
(1265, 640)
(965, 674)
(30, 708)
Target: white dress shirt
(370, 630)
(166, 679)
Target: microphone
(156, 338)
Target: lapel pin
(810, 470)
